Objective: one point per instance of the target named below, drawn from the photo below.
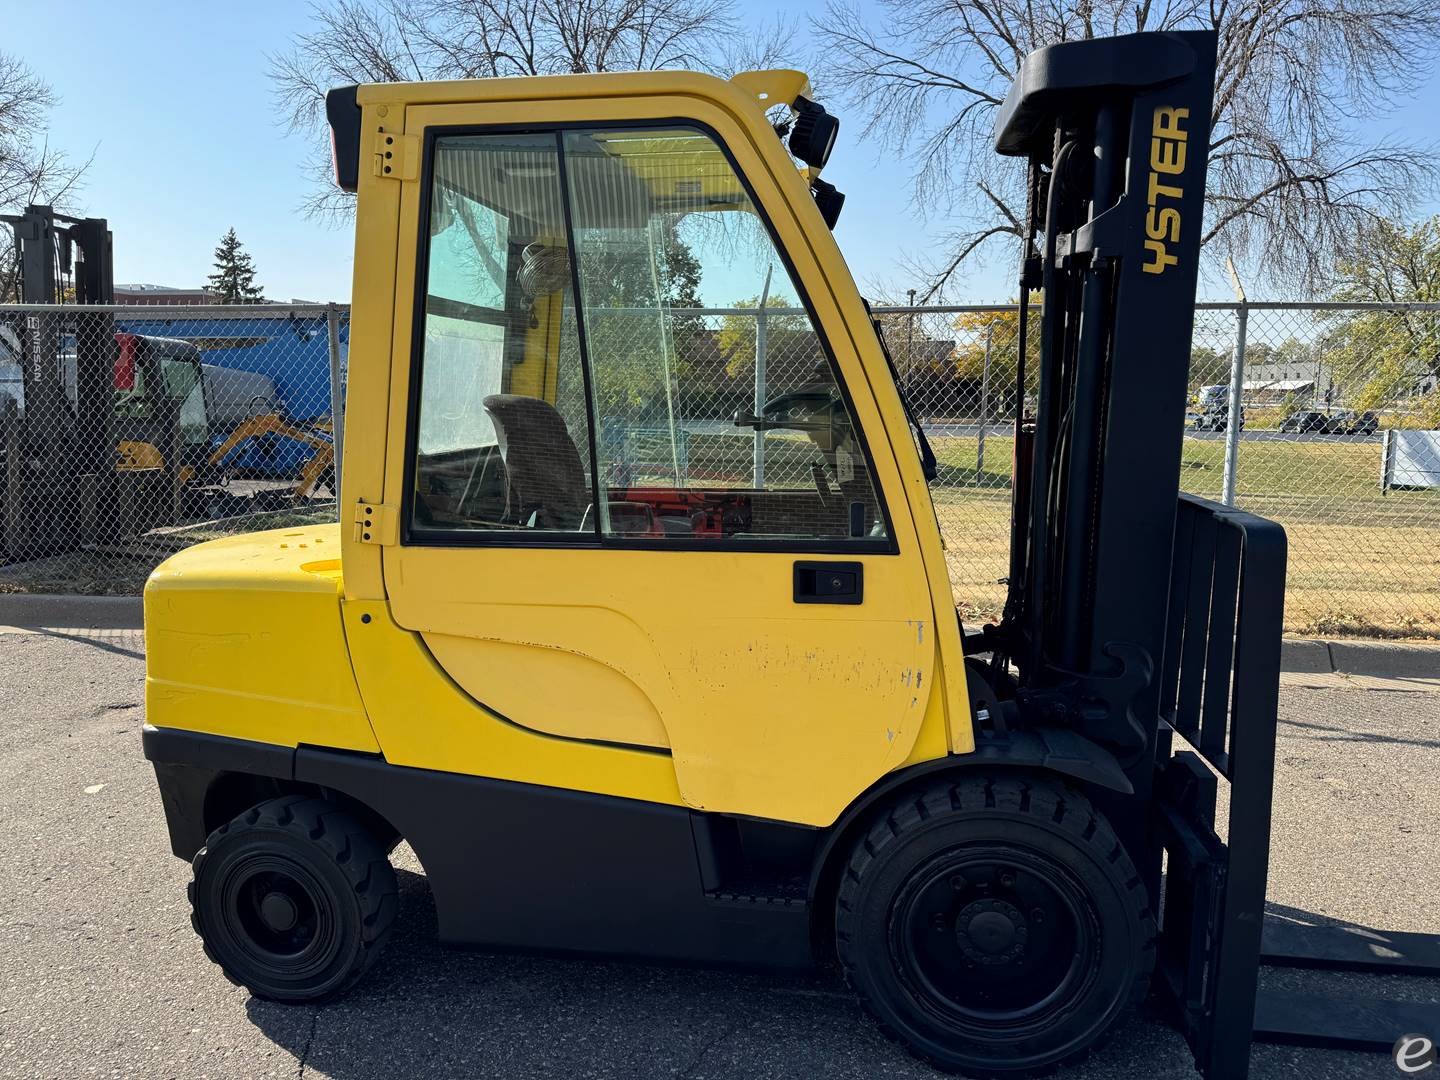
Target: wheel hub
(989, 935)
(991, 932)
(278, 912)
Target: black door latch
(829, 582)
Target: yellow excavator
(319, 466)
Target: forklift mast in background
(64, 260)
(48, 245)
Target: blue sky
(175, 105)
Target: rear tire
(293, 899)
(995, 927)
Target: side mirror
(746, 418)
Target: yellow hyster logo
(1167, 159)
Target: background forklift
(110, 430)
(112, 433)
(808, 759)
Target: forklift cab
(583, 539)
(158, 394)
(506, 439)
(160, 401)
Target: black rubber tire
(336, 886)
(1047, 828)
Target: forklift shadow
(425, 1010)
(1316, 732)
(127, 643)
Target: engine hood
(244, 637)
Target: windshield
(183, 384)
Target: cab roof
(761, 90)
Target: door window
(185, 390)
(503, 439)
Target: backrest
(544, 472)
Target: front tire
(995, 927)
(293, 899)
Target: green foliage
(1383, 358)
(1208, 366)
(736, 339)
(233, 281)
(654, 273)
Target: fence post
(909, 346)
(984, 405)
(1235, 416)
(758, 479)
(337, 404)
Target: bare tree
(31, 170)
(358, 41)
(1287, 186)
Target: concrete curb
(1380, 659)
(91, 612)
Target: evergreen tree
(234, 279)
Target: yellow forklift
(693, 710)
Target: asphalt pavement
(101, 975)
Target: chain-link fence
(1337, 440)
(126, 433)
(675, 422)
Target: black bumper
(187, 764)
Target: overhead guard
(1073, 76)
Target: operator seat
(545, 477)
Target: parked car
(1362, 423)
(1216, 419)
(1309, 421)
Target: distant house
(1276, 391)
(1303, 376)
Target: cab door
(633, 512)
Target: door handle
(829, 582)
